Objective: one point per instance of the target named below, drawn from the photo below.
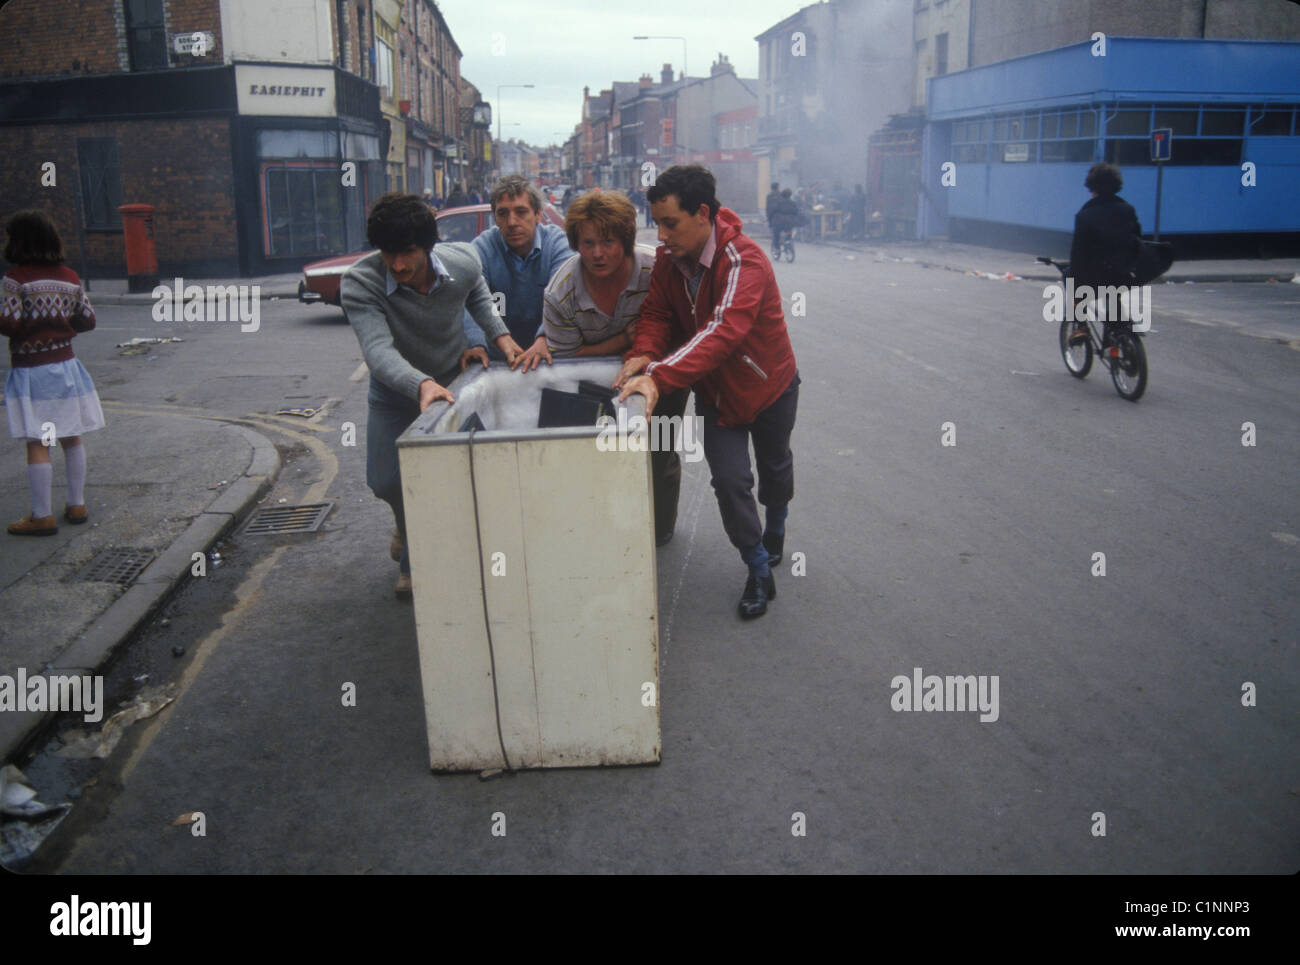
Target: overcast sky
(561, 46)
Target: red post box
(141, 253)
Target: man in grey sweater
(406, 303)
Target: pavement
(180, 494)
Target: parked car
(320, 279)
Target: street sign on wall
(1162, 143)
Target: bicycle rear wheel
(1077, 355)
(1129, 371)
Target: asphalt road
(1118, 694)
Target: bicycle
(1081, 337)
(786, 246)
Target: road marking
(250, 587)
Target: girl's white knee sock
(38, 481)
(76, 460)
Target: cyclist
(785, 216)
(769, 207)
(1104, 251)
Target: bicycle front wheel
(1129, 371)
(789, 252)
(1077, 355)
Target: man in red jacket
(713, 321)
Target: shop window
(1183, 123)
(297, 144)
(1130, 122)
(1219, 122)
(302, 209)
(1270, 121)
(101, 181)
(1127, 152)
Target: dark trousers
(390, 414)
(666, 467)
(727, 451)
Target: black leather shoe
(774, 543)
(753, 603)
(665, 539)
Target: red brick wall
(182, 167)
(44, 38)
(61, 38)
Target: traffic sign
(1162, 142)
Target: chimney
(666, 75)
(646, 81)
(586, 93)
(721, 66)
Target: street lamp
(500, 88)
(667, 37)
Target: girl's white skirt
(59, 394)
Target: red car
(320, 279)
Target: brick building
(260, 133)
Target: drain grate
(273, 520)
(120, 566)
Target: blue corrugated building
(1021, 134)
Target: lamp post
(500, 88)
(667, 37)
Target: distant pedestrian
(858, 213)
(48, 393)
(428, 198)
(458, 198)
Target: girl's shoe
(30, 526)
(75, 514)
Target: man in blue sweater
(520, 254)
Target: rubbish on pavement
(140, 346)
(28, 821)
(305, 412)
(79, 744)
(993, 276)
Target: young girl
(47, 391)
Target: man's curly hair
(398, 221)
(1104, 178)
